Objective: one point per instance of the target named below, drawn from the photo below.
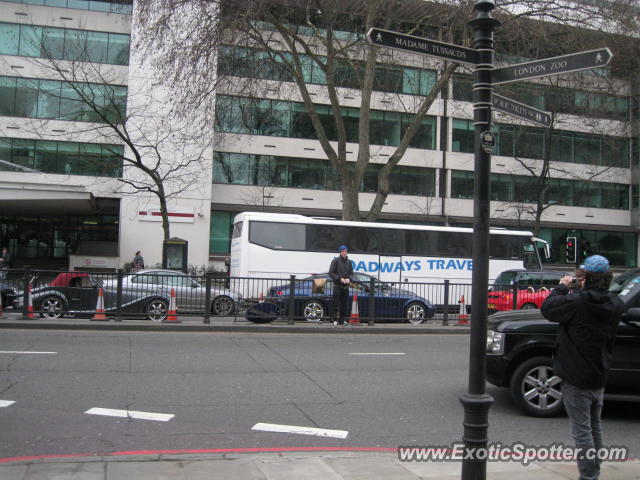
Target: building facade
(59, 180)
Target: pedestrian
(340, 272)
(588, 319)
(5, 262)
(138, 261)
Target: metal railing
(154, 295)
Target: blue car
(313, 300)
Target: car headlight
(495, 342)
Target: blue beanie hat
(342, 247)
(595, 263)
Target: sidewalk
(288, 466)
(12, 319)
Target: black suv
(520, 345)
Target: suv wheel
(536, 389)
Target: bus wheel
(313, 310)
(529, 306)
(416, 313)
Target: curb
(245, 328)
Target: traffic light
(571, 249)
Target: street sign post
(425, 46)
(574, 62)
(520, 110)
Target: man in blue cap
(340, 272)
(588, 321)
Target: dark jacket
(588, 322)
(340, 268)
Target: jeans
(584, 408)
(340, 302)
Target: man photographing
(340, 272)
(588, 321)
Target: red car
(531, 288)
(531, 298)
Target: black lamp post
(476, 401)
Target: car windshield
(625, 282)
(505, 278)
(619, 282)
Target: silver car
(190, 294)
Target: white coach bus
(272, 245)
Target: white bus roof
(295, 218)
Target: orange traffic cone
(100, 315)
(354, 319)
(28, 313)
(463, 318)
(172, 314)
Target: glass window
(413, 181)
(277, 236)
(26, 98)
(7, 96)
(100, 5)
(75, 47)
(68, 159)
(462, 137)
(231, 168)
(118, 49)
(529, 142)
(411, 81)
(425, 136)
(89, 161)
(505, 140)
(49, 99)
(71, 104)
(53, 43)
(220, 232)
(97, 47)
(30, 41)
(9, 38)
(461, 184)
(428, 80)
(5, 153)
(23, 153)
(562, 147)
(462, 88)
(384, 128)
(46, 159)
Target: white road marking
(377, 353)
(160, 417)
(13, 352)
(318, 432)
(6, 403)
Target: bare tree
(296, 36)
(569, 31)
(163, 155)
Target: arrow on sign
(574, 62)
(387, 38)
(521, 110)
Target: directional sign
(521, 110)
(574, 62)
(425, 46)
